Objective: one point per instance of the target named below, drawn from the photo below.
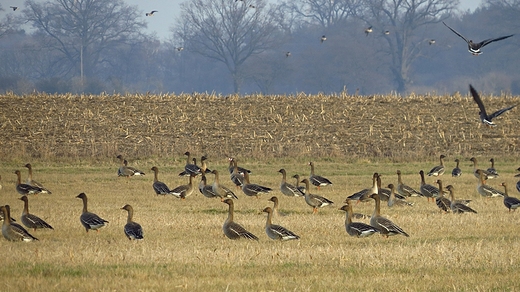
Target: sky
(169, 10)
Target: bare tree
(227, 31)
(396, 23)
(326, 13)
(82, 30)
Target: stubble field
(72, 142)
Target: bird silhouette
(323, 38)
(484, 117)
(368, 30)
(13, 7)
(151, 13)
(474, 48)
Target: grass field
(184, 247)
(72, 141)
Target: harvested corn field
(54, 127)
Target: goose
(287, 188)
(90, 220)
(485, 190)
(125, 170)
(236, 177)
(427, 190)
(302, 188)
(25, 189)
(393, 201)
(368, 30)
(34, 183)
(253, 190)
(241, 170)
(203, 165)
(233, 230)
(518, 182)
(220, 190)
(190, 168)
(439, 169)
(484, 117)
(474, 48)
(277, 232)
(456, 172)
(205, 189)
(364, 194)
(405, 190)
(315, 201)
(357, 229)
(382, 224)
(318, 181)
(274, 199)
(456, 206)
(159, 187)
(384, 194)
(492, 169)
(510, 202)
(151, 13)
(133, 230)
(487, 175)
(30, 220)
(323, 38)
(12, 231)
(184, 191)
(442, 202)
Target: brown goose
(487, 175)
(357, 229)
(364, 194)
(184, 191)
(190, 168)
(492, 169)
(439, 169)
(288, 189)
(393, 201)
(457, 207)
(486, 190)
(277, 232)
(315, 201)
(90, 220)
(30, 220)
(302, 188)
(510, 202)
(318, 181)
(442, 202)
(25, 189)
(34, 183)
(384, 225)
(405, 190)
(427, 190)
(125, 170)
(159, 187)
(456, 172)
(241, 170)
(220, 190)
(253, 190)
(205, 189)
(236, 177)
(12, 231)
(133, 230)
(233, 230)
(274, 199)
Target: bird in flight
(179, 48)
(484, 117)
(287, 54)
(151, 13)
(474, 48)
(323, 38)
(13, 7)
(431, 42)
(368, 30)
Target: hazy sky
(168, 12)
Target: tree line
(255, 46)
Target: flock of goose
(393, 196)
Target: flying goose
(151, 13)
(484, 117)
(474, 48)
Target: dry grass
(65, 128)
(184, 248)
